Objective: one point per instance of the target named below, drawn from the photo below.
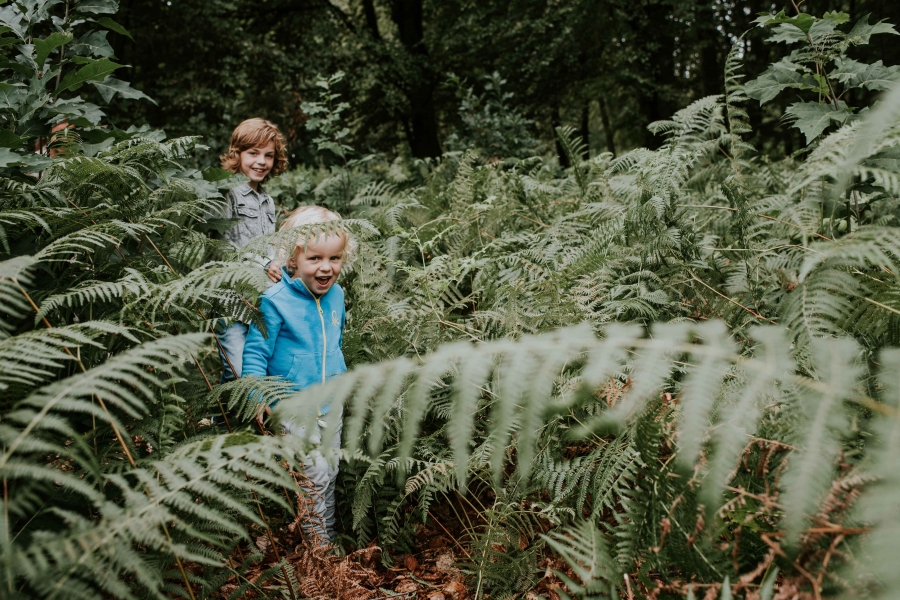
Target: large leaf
(98, 7)
(780, 76)
(811, 118)
(846, 69)
(12, 18)
(786, 34)
(863, 30)
(112, 26)
(821, 29)
(44, 47)
(111, 86)
(11, 96)
(95, 71)
(877, 77)
(803, 21)
(93, 44)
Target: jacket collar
(245, 190)
(299, 287)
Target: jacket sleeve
(258, 349)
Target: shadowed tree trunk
(585, 129)
(560, 153)
(422, 129)
(371, 19)
(607, 126)
(654, 96)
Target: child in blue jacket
(304, 316)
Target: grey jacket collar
(245, 189)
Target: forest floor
(431, 572)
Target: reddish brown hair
(254, 133)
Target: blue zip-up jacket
(304, 335)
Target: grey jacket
(255, 212)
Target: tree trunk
(560, 152)
(607, 126)
(371, 19)
(423, 137)
(655, 97)
(712, 50)
(586, 129)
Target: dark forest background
(604, 67)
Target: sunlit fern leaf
(575, 150)
(14, 273)
(132, 284)
(32, 358)
(19, 218)
(743, 408)
(878, 507)
(112, 556)
(702, 388)
(33, 415)
(818, 437)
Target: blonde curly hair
(313, 215)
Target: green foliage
(731, 308)
(673, 365)
(821, 66)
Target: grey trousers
(322, 473)
(232, 340)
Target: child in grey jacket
(257, 150)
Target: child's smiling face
(319, 264)
(257, 162)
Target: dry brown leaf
(456, 590)
(410, 562)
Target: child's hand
(262, 417)
(274, 271)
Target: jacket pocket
(301, 360)
(247, 210)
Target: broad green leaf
(38, 10)
(781, 75)
(811, 118)
(93, 44)
(9, 140)
(112, 26)
(95, 71)
(216, 174)
(8, 158)
(821, 29)
(11, 18)
(863, 30)
(17, 67)
(846, 69)
(95, 149)
(837, 17)
(803, 21)
(786, 34)
(78, 111)
(44, 47)
(11, 97)
(877, 77)
(8, 41)
(97, 7)
(110, 86)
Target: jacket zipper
(324, 338)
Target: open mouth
(323, 281)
